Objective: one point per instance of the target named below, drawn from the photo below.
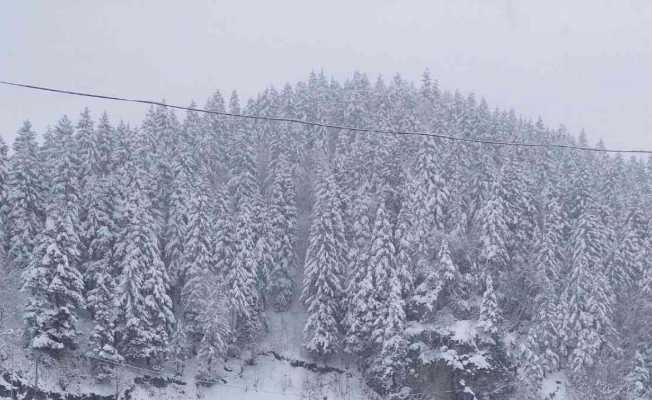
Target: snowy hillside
(216, 256)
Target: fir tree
(86, 143)
(4, 189)
(55, 288)
(638, 380)
(25, 207)
(283, 230)
(145, 309)
(52, 277)
(367, 303)
(403, 237)
(628, 261)
(544, 337)
(493, 231)
(197, 260)
(391, 363)
(214, 320)
(223, 238)
(242, 291)
(325, 262)
(440, 284)
(431, 191)
(588, 298)
(102, 340)
(490, 317)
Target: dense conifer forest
(419, 260)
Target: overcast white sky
(584, 63)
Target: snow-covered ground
(274, 373)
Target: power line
(327, 125)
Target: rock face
(310, 366)
(13, 387)
(435, 381)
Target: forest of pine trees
(499, 265)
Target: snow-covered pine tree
(627, 264)
(324, 269)
(223, 239)
(86, 146)
(215, 140)
(145, 308)
(360, 232)
(440, 284)
(52, 277)
(215, 323)
(490, 316)
(516, 190)
(368, 296)
(100, 230)
(545, 334)
(54, 286)
(493, 232)
(283, 230)
(197, 260)
(263, 251)
(4, 188)
(242, 291)
(102, 340)
(105, 138)
(176, 215)
(25, 207)
(431, 191)
(588, 298)
(639, 383)
(403, 237)
(391, 363)
(246, 276)
(158, 305)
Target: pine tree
(638, 381)
(55, 288)
(146, 317)
(102, 341)
(325, 262)
(4, 189)
(431, 191)
(214, 320)
(490, 317)
(391, 363)
(440, 284)
(100, 231)
(176, 225)
(263, 252)
(52, 277)
(283, 231)
(367, 302)
(25, 211)
(588, 297)
(515, 189)
(493, 231)
(628, 261)
(360, 235)
(197, 259)
(86, 143)
(223, 236)
(243, 297)
(215, 140)
(403, 237)
(545, 335)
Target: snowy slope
(281, 368)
